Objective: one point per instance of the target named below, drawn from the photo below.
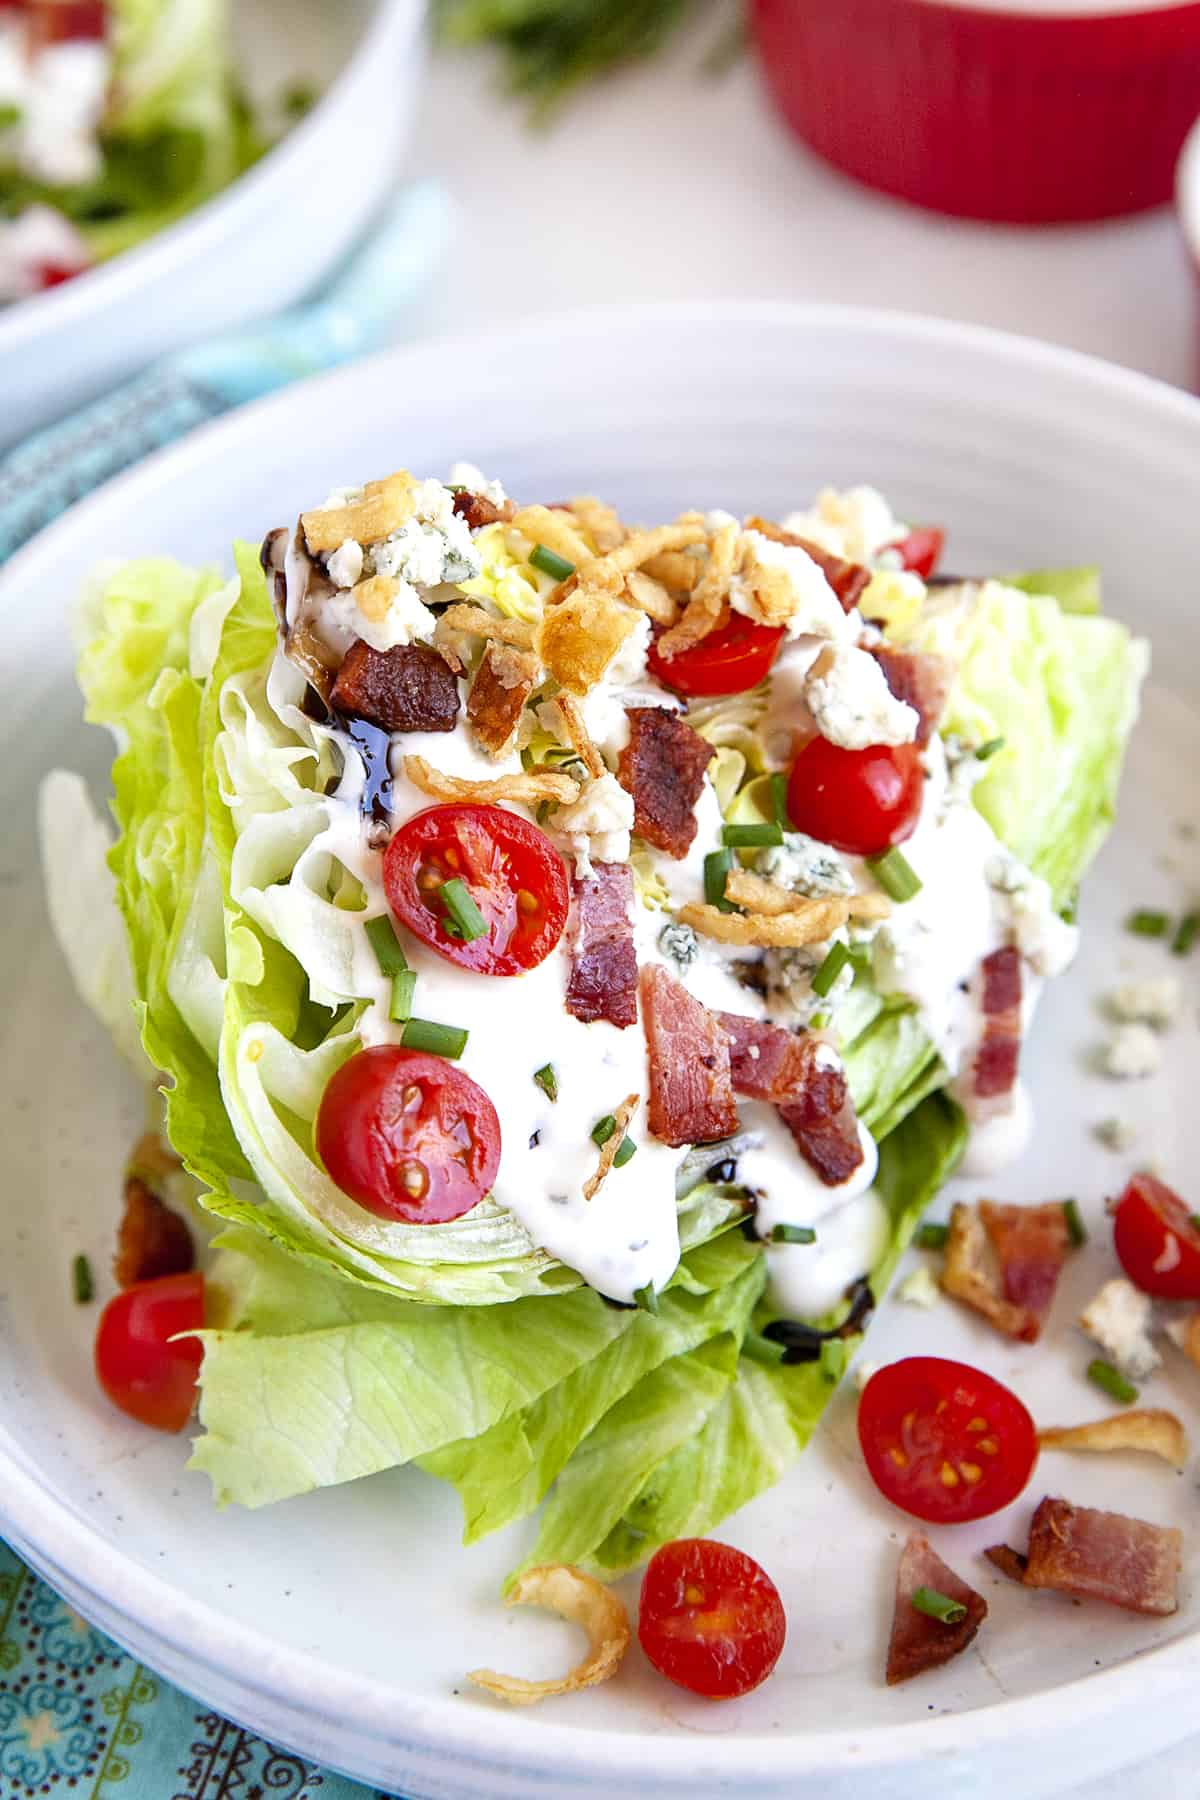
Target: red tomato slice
(408, 1136)
(734, 657)
(921, 550)
(137, 1365)
(860, 801)
(516, 878)
(1157, 1240)
(943, 1441)
(67, 21)
(710, 1618)
(51, 275)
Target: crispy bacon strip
(691, 1091)
(1100, 1556)
(803, 1078)
(848, 580)
(918, 1642)
(407, 688)
(526, 789)
(765, 1061)
(503, 683)
(151, 1240)
(921, 680)
(622, 1116)
(604, 971)
(662, 767)
(1005, 1261)
(994, 1071)
(479, 511)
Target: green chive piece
(838, 959)
(1194, 1221)
(1102, 1375)
(10, 114)
(603, 1129)
(779, 791)
(547, 1080)
(1188, 932)
(820, 1020)
(1145, 922)
(550, 563)
(646, 1298)
(438, 1040)
(832, 1356)
(403, 984)
(932, 1237)
(625, 1153)
(81, 1280)
(751, 837)
(761, 1350)
(938, 1606)
(793, 1234)
(381, 935)
(717, 865)
(992, 748)
(1076, 1230)
(460, 905)
(895, 875)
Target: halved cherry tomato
(943, 1441)
(710, 1619)
(734, 657)
(515, 876)
(139, 1367)
(408, 1136)
(1157, 1240)
(52, 275)
(921, 550)
(67, 21)
(860, 801)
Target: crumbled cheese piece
(718, 519)
(809, 607)
(467, 475)
(1119, 1318)
(628, 666)
(1115, 1134)
(345, 566)
(1131, 1053)
(597, 825)
(1152, 1002)
(340, 620)
(852, 704)
(807, 866)
(1044, 939)
(61, 92)
(680, 943)
(856, 524)
(791, 999)
(919, 1288)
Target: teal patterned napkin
(81, 1720)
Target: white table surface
(665, 185)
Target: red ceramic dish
(1029, 113)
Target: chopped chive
(793, 1234)
(820, 1020)
(832, 1358)
(403, 984)
(603, 1129)
(779, 790)
(751, 837)
(761, 1350)
(438, 1040)
(550, 563)
(1102, 1375)
(10, 114)
(1188, 932)
(381, 935)
(1194, 1221)
(1145, 922)
(992, 748)
(838, 959)
(938, 1606)
(646, 1298)
(717, 865)
(460, 905)
(860, 955)
(81, 1280)
(932, 1237)
(547, 1080)
(895, 874)
(626, 1151)
(1076, 1230)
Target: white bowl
(341, 1624)
(258, 246)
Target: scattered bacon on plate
(662, 767)
(691, 1090)
(407, 688)
(1098, 1556)
(604, 971)
(1005, 1262)
(919, 1642)
(920, 679)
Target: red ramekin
(993, 111)
(1187, 199)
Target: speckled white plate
(341, 1624)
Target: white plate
(261, 244)
(341, 1624)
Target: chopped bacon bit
(479, 511)
(1104, 1556)
(622, 1119)
(691, 1091)
(407, 688)
(1005, 1262)
(765, 1061)
(809, 1088)
(604, 970)
(1010, 1562)
(1001, 981)
(151, 1240)
(919, 1642)
(662, 767)
(503, 683)
(921, 680)
(994, 1071)
(848, 580)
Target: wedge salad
(575, 953)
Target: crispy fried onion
(709, 594)
(677, 570)
(771, 900)
(383, 508)
(578, 636)
(622, 1116)
(554, 530)
(651, 597)
(1149, 1428)
(475, 622)
(811, 922)
(1185, 1335)
(373, 596)
(584, 1601)
(526, 789)
(577, 735)
(599, 520)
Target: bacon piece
(407, 688)
(479, 511)
(994, 1071)
(1010, 1562)
(1104, 1556)
(810, 1091)
(765, 1061)
(691, 1091)
(919, 1642)
(1005, 1262)
(503, 683)
(604, 970)
(662, 767)
(849, 580)
(921, 680)
(152, 1240)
